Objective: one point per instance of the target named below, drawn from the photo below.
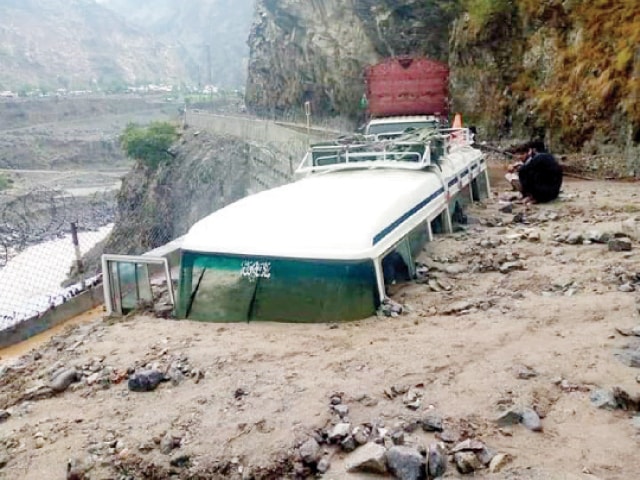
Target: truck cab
(395, 126)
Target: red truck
(405, 92)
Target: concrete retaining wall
(71, 308)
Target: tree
(149, 145)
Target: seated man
(538, 177)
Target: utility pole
(209, 73)
(307, 112)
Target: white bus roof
(339, 215)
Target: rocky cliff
(316, 50)
(565, 70)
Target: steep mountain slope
(570, 70)
(316, 50)
(210, 34)
(76, 44)
(567, 71)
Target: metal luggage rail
(415, 150)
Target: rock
(397, 437)
(527, 416)
(596, 236)
(525, 373)
(467, 462)
(448, 436)
(468, 445)
(625, 401)
(342, 410)
(145, 381)
(310, 452)
(146, 447)
(339, 432)
(413, 399)
(533, 236)
(405, 463)
(574, 238)
(176, 376)
(93, 378)
(4, 459)
(431, 422)
(627, 288)
(622, 244)
(499, 462)
(436, 460)
(507, 267)
(348, 444)
(4, 415)
(361, 434)
(389, 308)
(629, 355)
(457, 307)
(323, 465)
(486, 455)
(180, 461)
(369, 458)
(40, 442)
(197, 375)
(603, 399)
(77, 469)
(367, 401)
(531, 420)
(62, 381)
(510, 417)
(506, 208)
(169, 442)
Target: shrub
(149, 145)
(5, 182)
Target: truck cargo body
(407, 86)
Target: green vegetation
(482, 12)
(5, 182)
(149, 145)
(592, 79)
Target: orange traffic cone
(457, 121)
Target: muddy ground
(526, 309)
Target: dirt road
(512, 315)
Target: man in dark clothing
(538, 177)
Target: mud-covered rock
(406, 463)
(369, 458)
(145, 381)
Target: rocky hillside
(568, 70)
(565, 70)
(156, 206)
(316, 50)
(207, 33)
(53, 44)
